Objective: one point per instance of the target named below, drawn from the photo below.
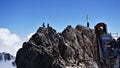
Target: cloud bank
(7, 64)
(9, 42)
(30, 35)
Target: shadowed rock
(49, 49)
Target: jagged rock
(49, 49)
(6, 56)
(6, 60)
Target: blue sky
(23, 17)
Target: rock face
(6, 57)
(49, 49)
(7, 60)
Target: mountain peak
(6, 56)
(49, 49)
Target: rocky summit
(74, 47)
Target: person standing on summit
(43, 24)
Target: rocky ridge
(7, 60)
(49, 49)
(6, 56)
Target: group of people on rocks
(115, 45)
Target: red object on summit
(101, 24)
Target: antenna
(87, 20)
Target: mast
(87, 20)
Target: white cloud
(9, 42)
(30, 35)
(7, 64)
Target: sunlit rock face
(49, 49)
